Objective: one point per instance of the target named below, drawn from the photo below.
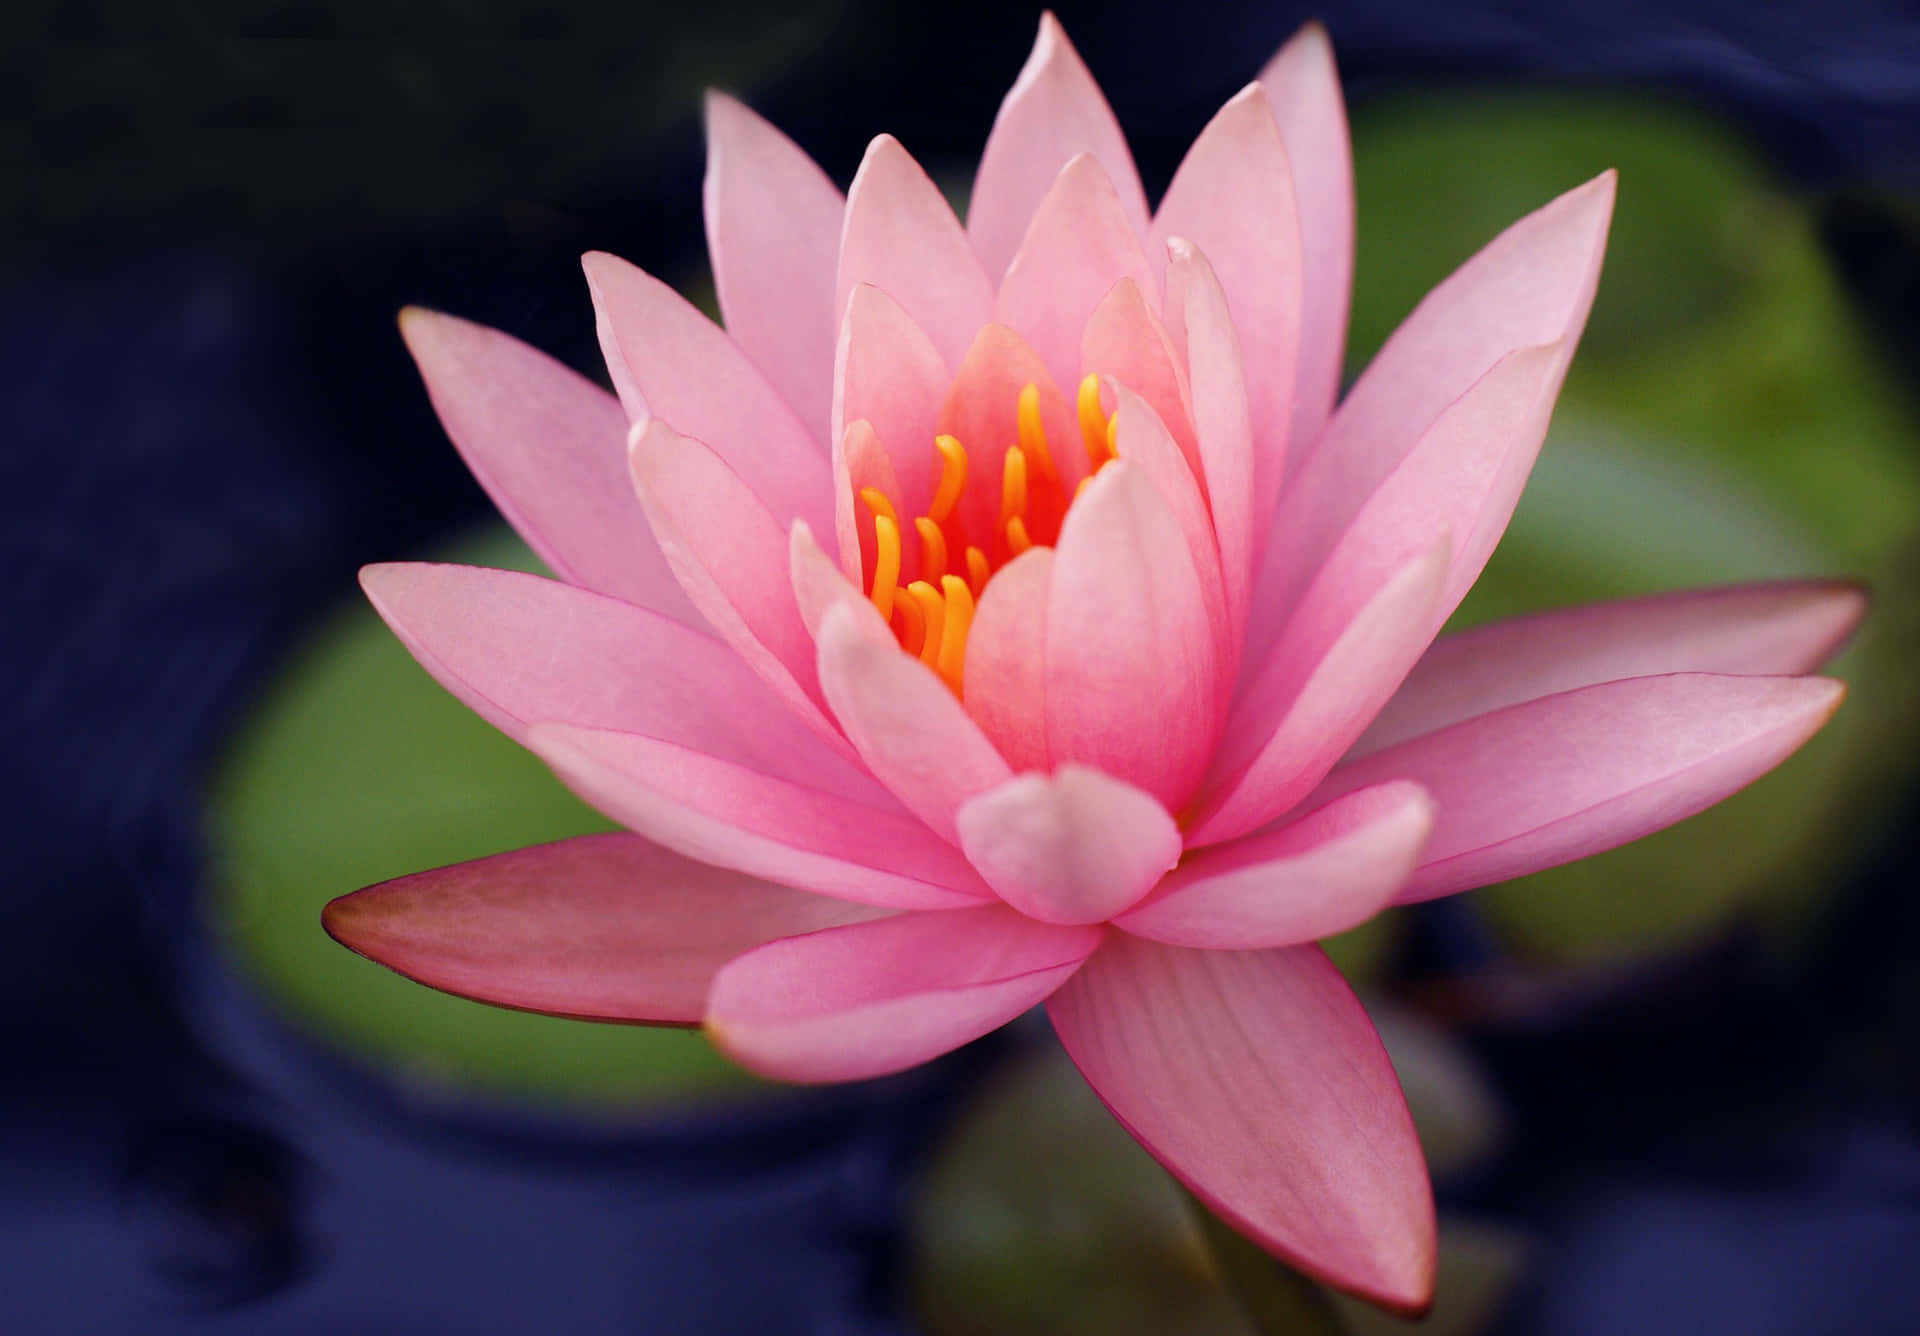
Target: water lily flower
(1005, 614)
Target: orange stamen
(1013, 484)
(1093, 422)
(878, 505)
(953, 478)
(913, 623)
(953, 635)
(933, 613)
(1017, 535)
(933, 549)
(1033, 436)
(886, 560)
(978, 571)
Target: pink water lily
(1006, 614)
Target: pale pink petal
(773, 234)
(1124, 341)
(737, 817)
(1776, 629)
(1530, 288)
(1202, 332)
(1462, 478)
(1555, 779)
(873, 998)
(602, 927)
(888, 373)
(1298, 880)
(859, 462)
(981, 411)
(1303, 87)
(731, 557)
(1298, 715)
(547, 444)
(906, 725)
(518, 650)
(818, 584)
(901, 236)
(1080, 244)
(1258, 1081)
(1075, 846)
(1132, 673)
(1233, 198)
(1004, 682)
(1053, 112)
(670, 362)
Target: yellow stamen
(1033, 437)
(913, 623)
(933, 611)
(1093, 422)
(953, 635)
(1013, 484)
(953, 478)
(878, 505)
(886, 560)
(1017, 535)
(933, 549)
(977, 569)
(1113, 437)
(1082, 486)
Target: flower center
(930, 616)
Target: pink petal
(1554, 779)
(518, 650)
(873, 998)
(1233, 197)
(1295, 881)
(1075, 846)
(1125, 341)
(902, 237)
(818, 584)
(1303, 87)
(1203, 333)
(546, 443)
(1298, 715)
(738, 817)
(602, 927)
(1131, 663)
(1258, 1081)
(1004, 682)
(1782, 628)
(670, 362)
(1081, 242)
(906, 725)
(1530, 288)
(1053, 112)
(887, 372)
(773, 233)
(981, 412)
(730, 555)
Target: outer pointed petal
(773, 232)
(1298, 716)
(546, 443)
(1258, 1081)
(1780, 628)
(874, 998)
(1233, 197)
(1053, 112)
(670, 362)
(902, 237)
(736, 817)
(1005, 681)
(1530, 288)
(1075, 846)
(1555, 779)
(1203, 332)
(1081, 242)
(518, 649)
(1295, 881)
(729, 553)
(887, 372)
(818, 584)
(602, 927)
(906, 725)
(1132, 673)
(1304, 88)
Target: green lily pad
(356, 766)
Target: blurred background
(1675, 1088)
